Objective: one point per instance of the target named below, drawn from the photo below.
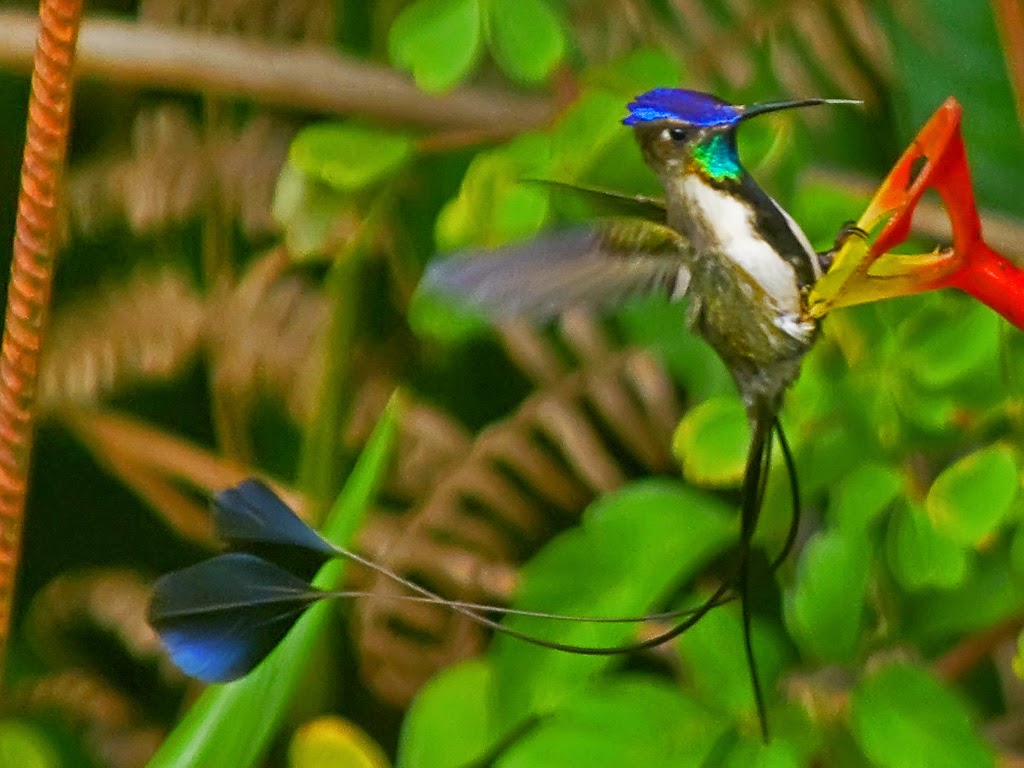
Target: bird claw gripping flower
(864, 269)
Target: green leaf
(450, 722)
(711, 443)
(863, 495)
(633, 547)
(526, 37)
(24, 746)
(590, 145)
(308, 211)
(582, 135)
(902, 717)
(445, 319)
(825, 610)
(713, 655)
(991, 595)
(974, 495)
(636, 721)
(948, 342)
(493, 207)
(635, 72)
(330, 741)
(921, 556)
(233, 724)
(437, 40)
(348, 156)
(932, 412)
(778, 753)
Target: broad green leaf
(445, 319)
(634, 73)
(633, 548)
(331, 741)
(713, 656)
(233, 724)
(931, 411)
(973, 496)
(308, 210)
(796, 739)
(349, 156)
(921, 556)
(23, 746)
(948, 342)
(437, 40)
(526, 37)
(582, 136)
(711, 443)
(814, 394)
(825, 610)
(902, 717)
(826, 456)
(493, 206)
(450, 722)
(992, 594)
(591, 146)
(778, 753)
(863, 495)
(627, 720)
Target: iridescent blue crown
(693, 107)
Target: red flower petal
(864, 270)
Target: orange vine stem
(28, 293)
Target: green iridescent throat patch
(716, 158)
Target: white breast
(730, 231)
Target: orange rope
(28, 293)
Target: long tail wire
(753, 497)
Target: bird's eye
(677, 134)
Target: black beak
(761, 109)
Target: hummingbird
(718, 238)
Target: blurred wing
(598, 267)
(604, 202)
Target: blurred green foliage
(440, 41)
(906, 425)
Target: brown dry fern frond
(261, 338)
(836, 47)
(307, 21)
(146, 329)
(264, 337)
(180, 168)
(523, 479)
(113, 728)
(174, 173)
(76, 624)
(107, 603)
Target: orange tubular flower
(864, 270)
